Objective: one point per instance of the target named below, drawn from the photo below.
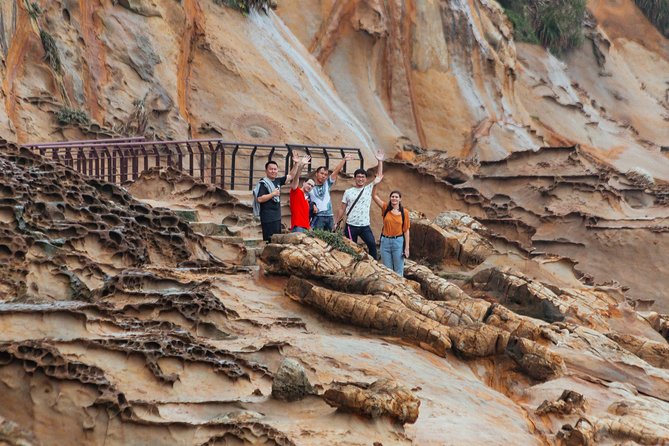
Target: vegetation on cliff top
(556, 24)
(245, 6)
(657, 11)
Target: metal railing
(231, 165)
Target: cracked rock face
(382, 397)
(541, 332)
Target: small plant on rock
(68, 116)
(335, 240)
(245, 6)
(556, 24)
(657, 11)
(34, 10)
(51, 54)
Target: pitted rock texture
(69, 234)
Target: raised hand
(305, 159)
(349, 157)
(380, 155)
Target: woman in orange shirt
(395, 234)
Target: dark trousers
(323, 222)
(270, 228)
(365, 232)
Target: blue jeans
(325, 222)
(365, 232)
(392, 254)
(299, 229)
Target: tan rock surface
(120, 323)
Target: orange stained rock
(624, 20)
(21, 42)
(327, 36)
(96, 74)
(192, 32)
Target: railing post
(123, 161)
(327, 158)
(190, 159)
(202, 162)
(251, 164)
(111, 165)
(79, 161)
(146, 158)
(135, 162)
(94, 153)
(311, 166)
(180, 157)
(156, 154)
(69, 161)
(222, 146)
(233, 167)
(214, 156)
(289, 156)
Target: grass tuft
(335, 240)
(555, 24)
(67, 116)
(34, 10)
(51, 54)
(245, 6)
(657, 11)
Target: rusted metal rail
(231, 165)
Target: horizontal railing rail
(84, 141)
(230, 165)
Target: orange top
(392, 224)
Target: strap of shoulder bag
(355, 202)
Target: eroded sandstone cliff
(120, 326)
(525, 321)
(365, 73)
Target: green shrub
(335, 240)
(67, 116)
(657, 11)
(556, 24)
(522, 28)
(34, 10)
(51, 54)
(245, 6)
